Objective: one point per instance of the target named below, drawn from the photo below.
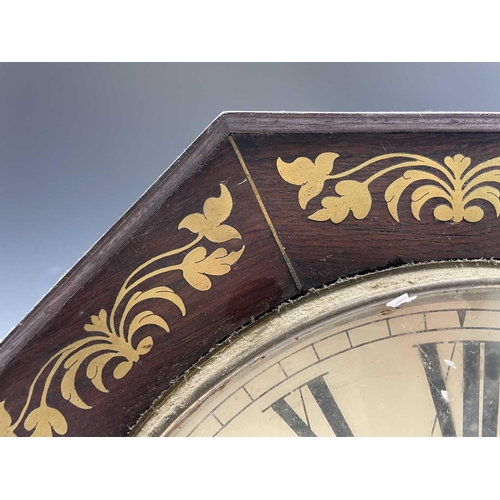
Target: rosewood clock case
(260, 209)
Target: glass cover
(427, 367)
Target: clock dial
(428, 367)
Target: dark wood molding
(327, 123)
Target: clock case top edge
(194, 157)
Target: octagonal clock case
(291, 274)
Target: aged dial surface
(428, 367)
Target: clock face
(428, 367)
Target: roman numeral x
(327, 404)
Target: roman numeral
(327, 404)
(471, 370)
(437, 386)
(474, 379)
(491, 388)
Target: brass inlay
(453, 181)
(266, 215)
(111, 338)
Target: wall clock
(214, 306)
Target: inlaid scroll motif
(114, 335)
(456, 183)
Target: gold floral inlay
(112, 336)
(455, 182)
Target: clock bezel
(296, 318)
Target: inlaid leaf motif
(458, 164)
(334, 209)
(354, 197)
(147, 318)
(473, 214)
(487, 193)
(5, 422)
(98, 323)
(395, 190)
(114, 332)
(443, 213)
(72, 364)
(310, 176)
(486, 178)
(452, 180)
(159, 292)
(196, 266)
(44, 420)
(209, 224)
(96, 367)
(423, 194)
(145, 345)
(122, 369)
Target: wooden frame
(276, 249)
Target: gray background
(79, 143)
